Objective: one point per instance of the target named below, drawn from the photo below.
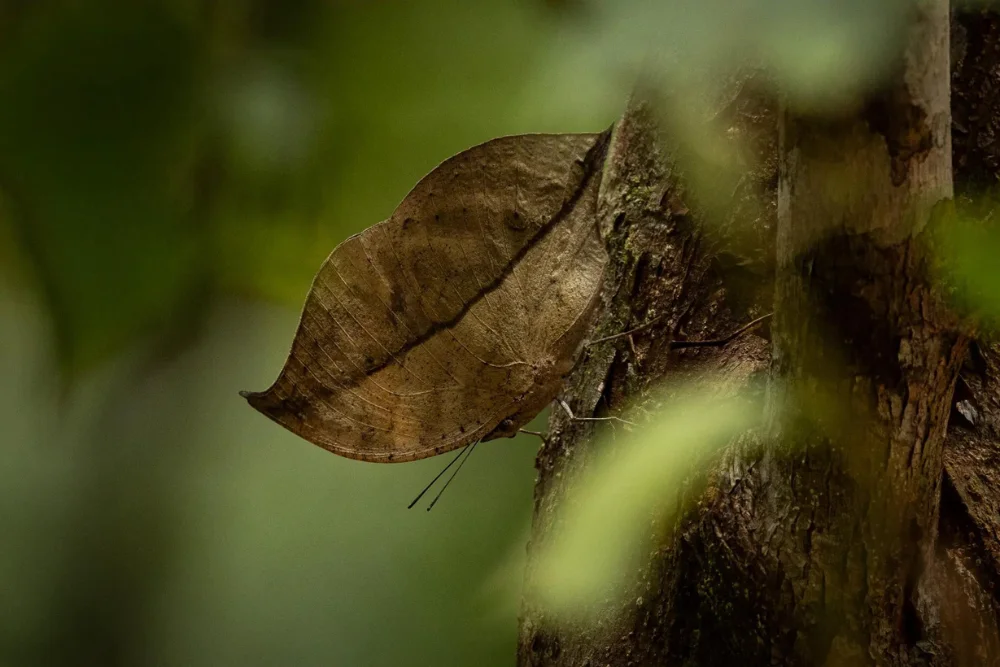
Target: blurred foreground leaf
(622, 501)
(823, 55)
(969, 250)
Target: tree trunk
(859, 332)
(812, 543)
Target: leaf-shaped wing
(462, 310)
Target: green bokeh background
(172, 174)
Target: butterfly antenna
(438, 496)
(436, 478)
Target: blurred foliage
(90, 142)
(822, 55)
(626, 501)
(172, 173)
(968, 245)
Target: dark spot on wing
(296, 406)
(517, 222)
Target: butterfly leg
(565, 406)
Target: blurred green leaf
(624, 499)
(821, 54)
(93, 130)
(969, 249)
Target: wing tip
(256, 399)
(282, 410)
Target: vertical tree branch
(859, 334)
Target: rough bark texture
(667, 263)
(860, 332)
(774, 563)
(969, 538)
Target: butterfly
(455, 320)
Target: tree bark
(837, 554)
(867, 356)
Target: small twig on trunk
(641, 327)
(719, 342)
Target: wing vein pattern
(455, 319)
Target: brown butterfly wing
(426, 331)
